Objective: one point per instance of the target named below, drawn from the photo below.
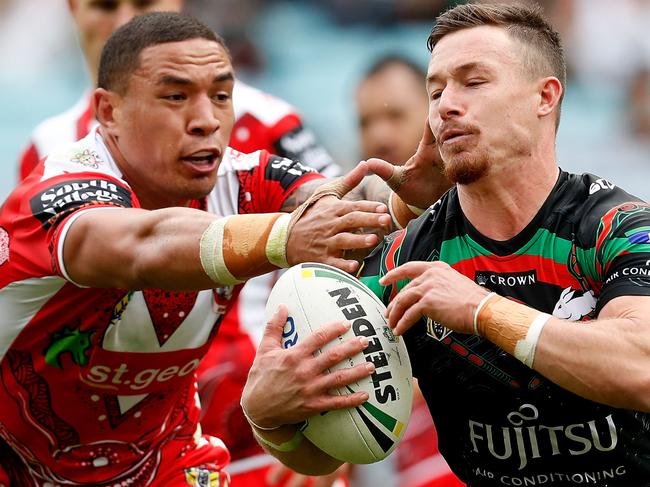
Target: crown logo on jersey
(88, 158)
(481, 279)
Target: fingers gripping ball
(317, 294)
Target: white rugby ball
(317, 294)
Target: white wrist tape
(478, 310)
(276, 245)
(415, 209)
(391, 212)
(211, 253)
(525, 348)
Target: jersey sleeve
(274, 180)
(619, 260)
(37, 215)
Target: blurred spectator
(233, 20)
(392, 107)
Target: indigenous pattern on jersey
(98, 386)
(500, 423)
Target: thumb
(354, 177)
(427, 134)
(381, 168)
(272, 337)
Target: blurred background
(313, 53)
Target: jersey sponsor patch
(285, 171)
(70, 195)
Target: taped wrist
(235, 248)
(401, 212)
(287, 446)
(514, 327)
(336, 187)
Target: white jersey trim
(64, 234)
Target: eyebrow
(459, 70)
(170, 79)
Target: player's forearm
(302, 457)
(605, 360)
(174, 248)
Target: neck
(502, 203)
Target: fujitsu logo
(525, 438)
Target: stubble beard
(462, 167)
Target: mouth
(449, 136)
(203, 160)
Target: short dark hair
(121, 54)
(389, 60)
(543, 53)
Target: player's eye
(104, 5)
(175, 97)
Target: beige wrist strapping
(401, 212)
(237, 247)
(513, 326)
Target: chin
(465, 169)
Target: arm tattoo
(372, 188)
(300, 195)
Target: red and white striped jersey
(95, 382)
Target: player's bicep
(98, 247)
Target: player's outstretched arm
(183, 248)
(286, 386)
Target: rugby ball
(317, 294)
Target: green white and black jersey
(499, 422)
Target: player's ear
(550, 91)
(105, 105)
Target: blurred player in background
(263, 122)
(391, 107)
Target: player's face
(98, 19)
(392, 106)
(482, 102)
(172, 125)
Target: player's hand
(282, 476)
(287, 386)
(420, 181)
(323, 230)
(436, 291)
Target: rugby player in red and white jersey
(262, 122)
(120, 253)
